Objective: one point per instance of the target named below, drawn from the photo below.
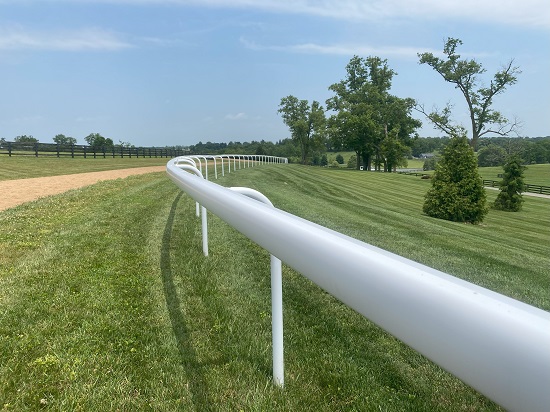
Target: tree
(457, 192)
(510, 198)
(306, 123)
(366, 113)
(352, 162)
(98, 142)
(427, 145)
(394, 152)
(491, 155)
(61, 139)
(429, 164)
(399, 126)
(340, 159)
(25, 139)
(122, 143)
(464, 74)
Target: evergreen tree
(457, 192)
(512, 185)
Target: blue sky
(169, 72)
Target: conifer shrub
(352, 162)
(510, 198)
(457, 192)
(429, 164)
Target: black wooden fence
(544, 190)
(58, 150)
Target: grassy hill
(108, 304)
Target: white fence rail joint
(496, 344)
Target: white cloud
(531, 13)
(238, 116)
(528, 13)
(16, 38)
(341, 49)
(525, 12)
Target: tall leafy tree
(509, 197)
(466, 77)
(25, 139)
(457, 192)
(399, 129)
(61, 139)
(98, 142)
(366, 114)
(393, 151)
(491, 155)
(306, 123)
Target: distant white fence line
(498, 345)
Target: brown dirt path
(16, 192)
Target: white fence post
(189, 161)
(276, 299)
(204, 220)
(215, 167)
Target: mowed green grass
(22, 167)
(533, 174)
(106, 302)
(507, 253)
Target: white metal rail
(496, 344)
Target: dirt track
(16, 192)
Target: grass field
(534, 174)
(108, 304)
(22, 167)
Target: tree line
(282, 148)
(95, 140)
(363, 116)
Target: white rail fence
(498, 345)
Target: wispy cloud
(340, 49)
(525, 12)
(17, 38)
(531, 13)
(238, 116)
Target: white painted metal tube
(190, 162)
(276, 299)
(215, 167)
(496, 344)
(204, 223)
(277, 321)
(205, 165)
(204, 220)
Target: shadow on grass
(197, 382)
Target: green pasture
(538, 174)
(106, 302)
(21, 167)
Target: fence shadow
(197, 382)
